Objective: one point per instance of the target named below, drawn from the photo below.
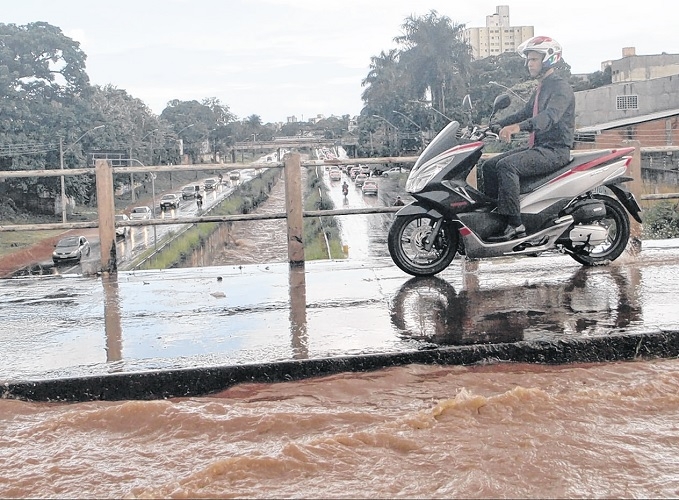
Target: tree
(43, 92)
(435, 58)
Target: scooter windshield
(444, 140)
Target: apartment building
(497, 36)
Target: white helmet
(548, 47)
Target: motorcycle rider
(345, 188)
(549, 116)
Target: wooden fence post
(106, 208)
(294, 208)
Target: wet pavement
(188, 332)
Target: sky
(304, 58)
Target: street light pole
(404, 116)
(181, 142)
(411, 121)
(63, 185)
(433, 109)
(387, 121)
(61, 166)
(508, 90)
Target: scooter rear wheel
(407, 238)
(616, 222)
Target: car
(125, 230)
(210, 184)
(335, 174)
(364, 169)
(369, 187)
(71, 248)
(141, 213)
(360, 179)
(169, 201)
(189, 192)
(353, 172)
(392, 172)
(234, 175)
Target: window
(623, 102)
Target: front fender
(417, 208)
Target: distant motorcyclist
(398, 202)
(199, 200)
(549, 116)
(345, 188)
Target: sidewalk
(189, 332)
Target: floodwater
(493, 431)
(500, 430)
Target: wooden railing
(294, 213)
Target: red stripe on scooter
(614, 154)
(464, 147)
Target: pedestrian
(398, 202)
(549, 116)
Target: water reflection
(112, 318)
(592, 302)
(298, 321)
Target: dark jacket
(554, 125)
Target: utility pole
(63, 185)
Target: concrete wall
(638, 68)
(596, 106)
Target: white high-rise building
(498, 36)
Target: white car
(122, 231)
(335, 174)
(141, 213)
(392, 172)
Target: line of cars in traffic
(72, 249)
(360, 174)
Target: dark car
(210, 184)
(189, 192)
(169, 202)
(71, 248)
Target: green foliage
(318, 229)
(661, 221)
(247, 196)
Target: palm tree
(435, 58)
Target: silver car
(71, 248)
(141, 213)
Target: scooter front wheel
(408, 237)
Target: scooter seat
(529, 184)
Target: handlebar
(478, 133)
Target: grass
(11, 242)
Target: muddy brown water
(488, 431)
(497, 431)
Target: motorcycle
(581, 209)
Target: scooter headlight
(420, 177)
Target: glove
(495, 128)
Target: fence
(294, 214)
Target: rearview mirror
(501, 102)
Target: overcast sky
(279, 58)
